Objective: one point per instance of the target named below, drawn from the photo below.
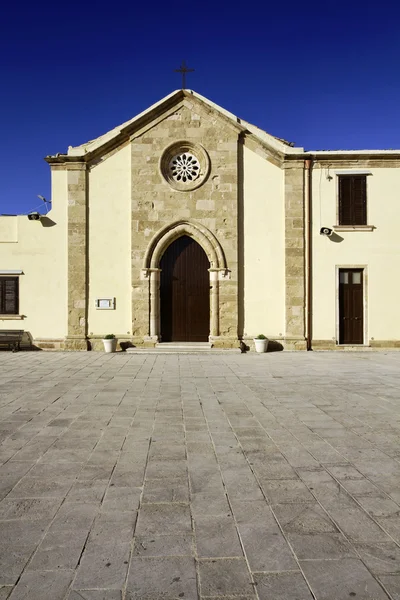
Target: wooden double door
(185, 292)
(351, 306)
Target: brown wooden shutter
(353, 200)
(359, 200)
(9, 295)
(345, 212)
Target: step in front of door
(183, 348)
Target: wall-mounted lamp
(34, 216)
(326, 231)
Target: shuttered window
(9, 287)
(352, 200)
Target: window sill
(11, 317)
(354, 227)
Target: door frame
(219, 271)
(364, 269)
(207, 289)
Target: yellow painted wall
(264, 251)
(40, 251)
(110, 243)
(379, 250)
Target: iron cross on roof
(183, 69)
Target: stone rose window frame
(184, 165)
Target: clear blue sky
(324, 75)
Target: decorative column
(155, 303)
(214, 303)
(77, 257)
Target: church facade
(188, 224)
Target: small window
(9, 293)
(352, 200)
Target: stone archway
(151, 268)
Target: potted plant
(110, 342)
(261, 343)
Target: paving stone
(126, 476)
(16, 469)
(392, 584)
(163, 451)
(303, 518)
(87, 491)
(96, 473)
(205, 480)
(54, 471)
(274, 470)
(59, 550)
(216, 536)
(120, 498)
(256, 513)
(320, 546)
(243, 485)
(55, 455)
(166, 578)
(5, 592)
(164, 545)
(113, 527)
(38, 585)
(163, 519)
(298, 456)
(29, 508)
(323, 452)
(167, 469)
(332, 495)
(361, 487)
(391, 525)
(103, 565)
(379, 507)
(210, 503)
(282, 586)
(380, 558)
(341, 580)
(224, 577)
(315, 477)
(165, 491)
(200, 448)
(287, 490)
(345, 472)
(357, 526)
(266, 549)
(95, 595)
(73, 516)
(33, 487)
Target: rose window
(184, 167)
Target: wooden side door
(185, 292)
(351, 306)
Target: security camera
(34, 216)
(326, 231)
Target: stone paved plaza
(127, 477)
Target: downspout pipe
(308, 165)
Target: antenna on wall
(46, 202)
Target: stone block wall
(295, 296)
(77, 256)
(156, 204)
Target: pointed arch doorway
(184, 292)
